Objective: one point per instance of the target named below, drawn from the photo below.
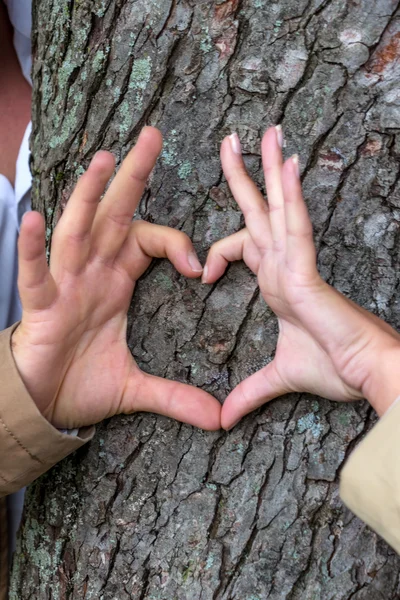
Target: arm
(327, 345)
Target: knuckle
(217, 247)
(138, 225)
(182, 237)
(237, 174)
(120, 220)
(138, 178)
(301, 233)
(269, 170)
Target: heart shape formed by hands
(70, 347)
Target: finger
(246, 193)
(147, 241)
(72, 237)
(238, 246)
(272, 164)
(35, 283)
(251, 393)
(172, 399)
(114, 216)
(300, 249)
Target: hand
(70, 347)
(327, 344)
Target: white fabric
(14, 203)
(20, 13)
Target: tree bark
(153, 509)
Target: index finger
(115, 213)
(246, 193)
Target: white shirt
(14, 202)
(20, 13)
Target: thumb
(179, 401)
(251, 393)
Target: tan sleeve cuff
(370, 481)
(29, 444)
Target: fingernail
(235, 143)
(279, 135)
(205, 274)
(295, 160)
(194, 262)
(234, 425)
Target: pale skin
(71, 349)
(327, 345)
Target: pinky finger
(35, 283)
(300, 249)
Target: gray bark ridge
(156, 510)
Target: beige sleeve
(370, 481)
(29, 444)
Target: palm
(303, 366)
(84, 336)
(71, 347)
(104, 358)
(300, 363)
(334, 332)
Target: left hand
(70, 347)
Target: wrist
(383, 386)
(25, 361)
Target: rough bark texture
(157, 510)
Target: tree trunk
(153, 509)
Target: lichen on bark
(153, 509)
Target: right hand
(70, 348)
(327, 345)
